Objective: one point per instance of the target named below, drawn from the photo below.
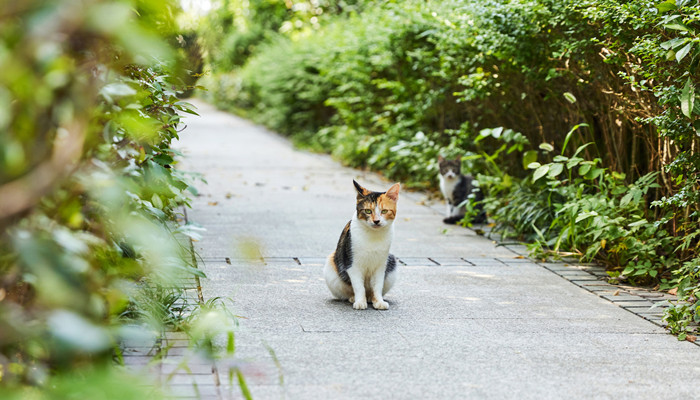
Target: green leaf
(585, 215)
(626, 199)
(673, 43)
(688, 98)
(684, 51)
(676, 27)
(546, 147)
(581, 148)
(555, 169)
(540, 172)
(574, 161)
(666, 6)
(628, 270)
(583, 169)
(115, 90)
(156, 201)
(529, 158)
(568, 136)
(163, 159)
(638, 223)
(570, 97)
(75, 332)
(619, 175)
(243, 385)
(230, 343)
(594, 173)
(534, 165)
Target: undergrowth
(91, 254)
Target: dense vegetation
(90, 249)
(578, 117)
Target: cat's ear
(459, 158)
(360, 190)
(440, 158)
(393, 192)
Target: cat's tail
(453, 220)
(478, 219)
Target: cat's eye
(368, 211)
(385, 211)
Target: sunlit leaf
(684, 51)
(676, 27)
(540, 172)
(667, 5)
(673, 43)
(546, 147)
(688, 98)
(116, 90)
(530, 159)
(77, 332)
(585, 215)
(555, 169)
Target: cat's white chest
(447, 187)
(370, 247)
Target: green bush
(89, 195)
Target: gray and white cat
(456, 188)
(361, 267)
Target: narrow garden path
(467, 318)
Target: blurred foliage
(89, 196)
(389, 85)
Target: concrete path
(467, 319)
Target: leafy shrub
(88, 193)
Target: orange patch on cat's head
(373, 206)
(387, 201)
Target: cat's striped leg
(390, 274)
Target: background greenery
(578, 117)
(92, 243)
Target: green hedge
(91, 251)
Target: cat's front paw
(360, 305)
(380, 305)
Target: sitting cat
(456, 188)
(361, 267)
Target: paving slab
(467, 318)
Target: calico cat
(361, 267)
(456, 188)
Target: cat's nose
(377, 222)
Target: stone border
(644, 303)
